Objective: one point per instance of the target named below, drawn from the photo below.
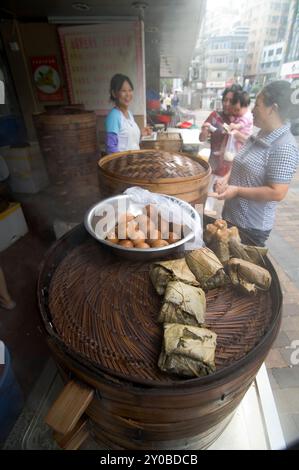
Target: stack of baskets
(67, 137)
(100, 316)
(170, 173)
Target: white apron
(129, 136)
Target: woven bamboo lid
(150, 165)
(105, 310)
(65, 117)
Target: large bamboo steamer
(68, 141)
(125, 416)
(174, 174)
(134, 405)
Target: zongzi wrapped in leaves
(183, 304)
(218, 237)
(210, 233)
(253, 254)
(207, 268)
(164, 271)
(256, 254)
(248, 277)
(220, 245)
(188, 351)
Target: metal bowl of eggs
(140, 232)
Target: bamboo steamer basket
(174, 174)
(99, 315)
(67, 138)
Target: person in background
(122, 132)
(5, 298)
(241, 125)
(263, 169)
(167, 102)
(175, 100)
(213, 128)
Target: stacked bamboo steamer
(171, 173)
(67, 138)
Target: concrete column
(152, 61)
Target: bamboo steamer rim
(262, 347)
(181, 179)
(71, 118)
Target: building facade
(290, 67)
(271, 62)
(219, 62)
(267, 21)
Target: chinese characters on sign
(46, 78)
(94, 53)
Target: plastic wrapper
(230, 149)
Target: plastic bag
(171, 211)
(230, 149)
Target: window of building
(271, 52)
(279, 50)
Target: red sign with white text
(47, 78)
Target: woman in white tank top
(122, 132)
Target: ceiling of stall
(175, 23)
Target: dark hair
(241, 97)
(117, 82)
(278, 93)
(231, 89)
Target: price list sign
(94, 53)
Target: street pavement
(283, 359)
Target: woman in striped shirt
(263, 169)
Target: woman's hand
(227, 192)
(220, 185)
(205, 132)
(146, 131)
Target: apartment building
(290, 67)
(271, 61)
(267, 21)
